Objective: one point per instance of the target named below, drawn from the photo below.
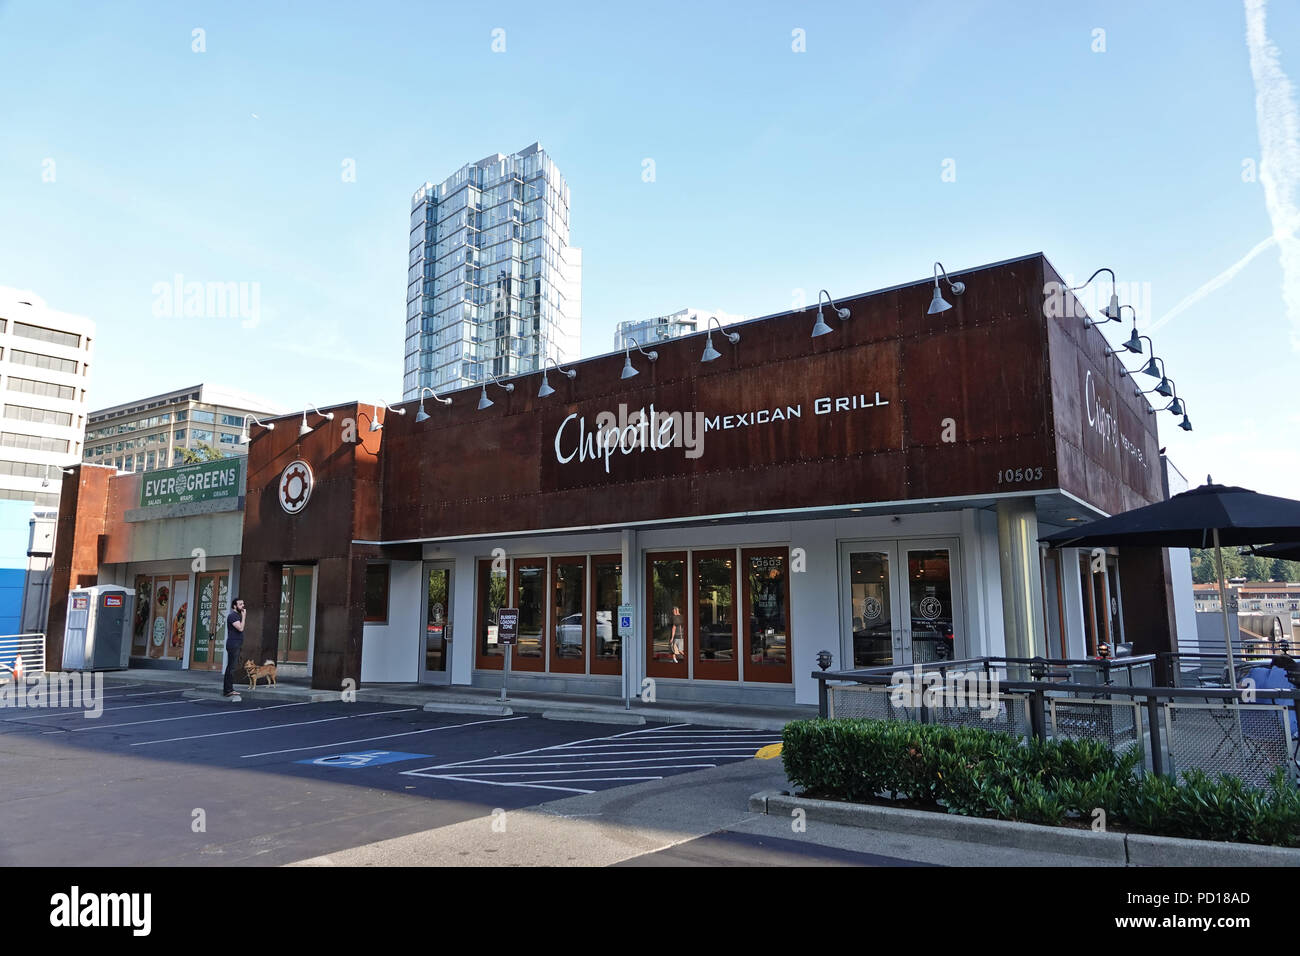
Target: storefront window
(376, 594)
(666, 615)
(606, 594)
(767, 601)
(715, 615)
(929, 591)
(493, 587)
(568, 624)
(873, 627)
(530, 599)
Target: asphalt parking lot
(162, 779)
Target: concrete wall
(390, 653)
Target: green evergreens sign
(204, 481)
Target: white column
(1022, 579)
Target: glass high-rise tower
(493, 288)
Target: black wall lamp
(710, 353)
(821, 328)
(421, 415)
(938, 303)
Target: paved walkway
(461, 699)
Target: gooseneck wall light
(420, 414)
(375, 423)
(1111, 312)
(710, 353)
(304, 429)
(250, 421)
(821, 328)
(483, 400)
(545, 388)
(938, 303)
(628, 370)
(1185, 425)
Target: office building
(45, 360)
(493, 286)
(646, 332)
(156, 432)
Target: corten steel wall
(344, 505)
(983, 364)
(1093, 459)
(83, 502)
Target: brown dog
(255, 673)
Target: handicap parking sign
(365, 758)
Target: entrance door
(295, 614)
(435, 641)
(209, 646)
(901, 601)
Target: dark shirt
(233, 634)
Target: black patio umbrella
(1287, 551)
(1209, 515)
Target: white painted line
(215, 713)
(152, 693)
(364, 740)
(502, 783)
(254, 730)
(79, 712)
(547, 773)
(585, 763)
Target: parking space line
(224, 713)
(152, 693)
(525, 773)
(253, 730)
(78, 712)
(363, 740)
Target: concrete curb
(600, 717)
(315, 696)
(496, 710)
(1132, 849)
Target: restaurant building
(877, 492)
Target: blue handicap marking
(365, 758)
(624, 621)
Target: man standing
(234, 643)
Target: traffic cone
(18, 669)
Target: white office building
(45, 358)
(493, 286)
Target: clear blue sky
(775, 171)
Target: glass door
(295, 614)
(901, 602)
(435, 643)
(209, 645)
(869, 606)
(931, 589)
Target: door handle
(446, 631)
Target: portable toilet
(97, 636)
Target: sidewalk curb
(496, 710)
(599, 717)
(1133, 849)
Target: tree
(202, 452)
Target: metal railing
(29, 649)
(1178, 728)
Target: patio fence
(1177, 727)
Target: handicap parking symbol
(365, 758)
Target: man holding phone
(234, 643)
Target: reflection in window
(530, 595)
(607, 648)
(873, 625)
(768, 631)
(715, 607)
(668, 614)
(566, 615)
(493, 586)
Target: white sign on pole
(625, 622)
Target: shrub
(977, 772)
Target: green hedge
(985, 773)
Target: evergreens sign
(204, 481)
